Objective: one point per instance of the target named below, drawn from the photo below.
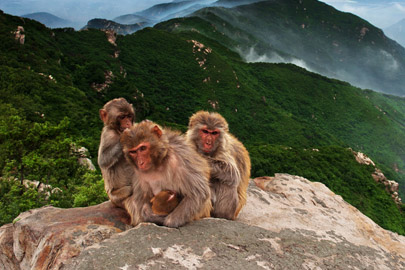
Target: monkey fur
(117, 172)
(229, 162)
(164, 202)
(163, 160)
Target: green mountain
(53, 82)
(308, 33)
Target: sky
(78, 10)
(381, 13)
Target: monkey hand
(216, 162)
(149, 216)
(173, 222)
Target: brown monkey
(229, 161)
(163, 160)
(164, 202)
(117, 115)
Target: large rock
(293, 202)
(222, 244)
(47, 237)
(288, 223)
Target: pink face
(125, 122)
(141, 156)
(208, 137)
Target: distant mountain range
(397, 32)
(48, 19)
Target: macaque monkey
(164, 202)
(163, 160)
(117, 115)
(229, 161)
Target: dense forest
(53, 82)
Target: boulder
(287, 223)
(47, 237)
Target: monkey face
(141, 156)
(124, 121)
(208, 139)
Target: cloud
(252, 57)
(381, 14)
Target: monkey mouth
(142, 166)
(207, 148)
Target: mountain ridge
(397, 32)
(330, 42)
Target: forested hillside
(53, 82)
(308, 33)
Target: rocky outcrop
(41, 187)
(108, 75)
(47, 237)
(84, 160)
(287, 223)
(391, 186)
(19, 35)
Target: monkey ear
(157, 131)
(103, 115)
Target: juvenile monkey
(229, 161)
(163, 160)
(117, 115)
(164, 202)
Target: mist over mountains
(397, 32)
(309, 34)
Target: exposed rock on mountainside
(19, 35)
(288, 223)
(391, 186)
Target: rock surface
(45, 238)
(222, 244)
(293, 202)
(288, 223)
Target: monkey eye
(132, 152)
(142, 148)
(215, 133)
(205, 131)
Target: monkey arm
(225, 172)
(117, 195)
(183, 213)
(110, 150)
(149, 216)
(195, 195)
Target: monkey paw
(172, 223)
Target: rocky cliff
(288, 223)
